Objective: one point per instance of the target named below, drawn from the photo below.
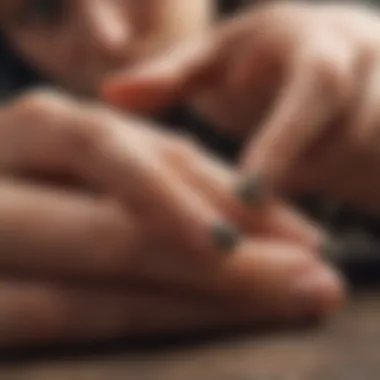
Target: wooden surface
(345, 348)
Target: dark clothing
(182, 119)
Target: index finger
(173, 77)
(317, 90)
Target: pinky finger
(40, 314)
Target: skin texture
(101, 214)
(300, 80)
(91, 39)
(110, 231)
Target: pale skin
(299, 82)
(109, 233)
(133, 233)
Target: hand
(301, 78)
(35, 312)
(127, 225)
(265, 282)
(143, 181)
(39, 313)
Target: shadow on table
(168, 342)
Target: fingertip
(140, 94)
(226, 237)
(335, 295)
(257, 177)
(319, 292)
(284, 281)
(251, 189)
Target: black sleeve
(184, 120)
(15, 76)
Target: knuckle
(87, 133)
(67, 130)
(36, 102)
(333, 73)
(328, 71)
(42, 116)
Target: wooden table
(345, 348)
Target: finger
(363, 127)
(42, 313)
(117, 157)
(214, 181)
(159, 84)
(318, 88)
(343, 163)
(278, 279)
(263, 273)
(173, 77)
(322, 165)
(355, 180)
(296, 289)
(51, 231)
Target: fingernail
(251, 190)
(225, 236)
(318, 292)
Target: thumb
(163, 82)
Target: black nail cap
(250, 191)
(226, 236)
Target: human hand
(97, 233)
(299, 81)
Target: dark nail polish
(225, 236)
(250, 191)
